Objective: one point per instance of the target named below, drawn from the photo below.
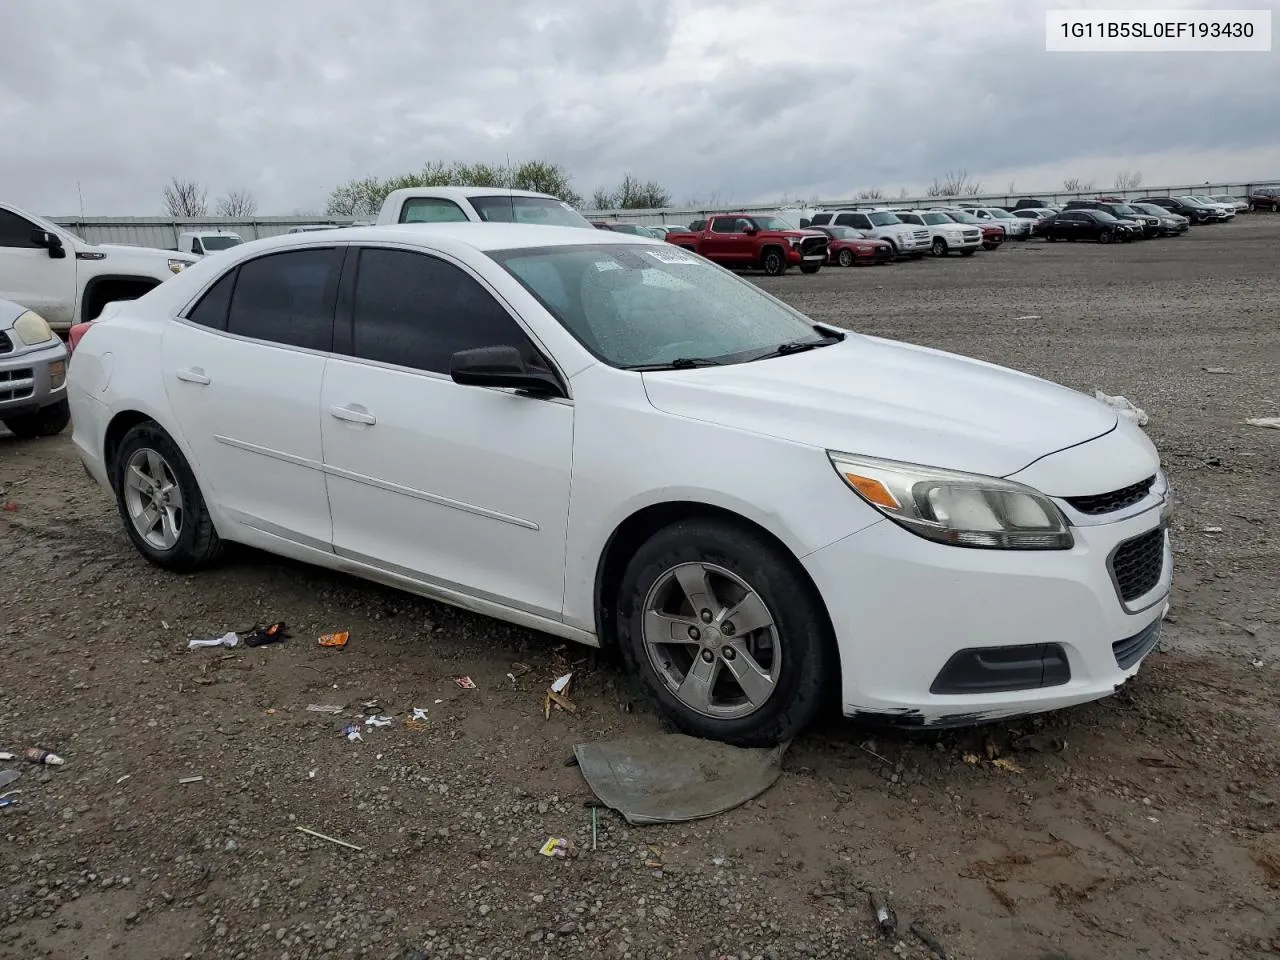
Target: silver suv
(907, 240)
(1017, 228)
(33, 374)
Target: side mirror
(502, 366)
(750, 231)
(49, 241)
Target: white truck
(199, 243)
(908, 240)
(478, 204)
(946, 235)
(51, 271)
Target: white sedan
(612, 440)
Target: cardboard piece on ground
(673, 778)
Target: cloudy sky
(718, 100)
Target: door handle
(194, 375)
(352, 415)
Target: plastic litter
(335, 639)
(8, 756)
(673, 778)
(228, 639)
(190, 779)
(40, 755)
(341, 843)
(419, 713)
(886, 919)
(557, 847)
(466, 683)
(377, 721)
(1272, 422)
(352, 731)
(325, 708)
(558, 694)
(1124, 407)
(1216, 370)
(8, 798)
(8, 776)
(260, 636)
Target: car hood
(892, 400)
(121, 248)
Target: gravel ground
(1145, 825)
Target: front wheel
(773, 262)
(725, 633)
(1105, 237)
(163, 510)
(967, 253)
(846, 258)
(810, 267)
(939, 247)
(1051, 238)
(45, 422)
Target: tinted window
(727, 224)
(211, 309)
(430, 210)
(15, 231)
(417, 311)
(820, 218)
(509, 209)
(287, 298)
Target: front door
(243, 372)
(29, 276)
(728, 241)
(464, 488)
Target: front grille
(1100, 503)
(17, 384)
(812, 245)
(1132, 649)
(921, 234)
(972, 234)
(6, 345)
(1137, 564)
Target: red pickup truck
(752, 241)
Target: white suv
(945, 234)
(1016, 228)
(907, 239)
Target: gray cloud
(748, 100)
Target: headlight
(177, 266)
(31, 329)
(961, 509)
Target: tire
(800, 661)
(846, 258)
(810, 268)
(773, 262)
(939, 247)
(1050, 238)
(967, 253)
(917, 256)
(894, 247)
(1105, 237)
(196, 544)
(45, 422)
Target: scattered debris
(1007, 765)
(325, 708)
(1272, 422)
(558, 847)
(1039, 743)
(654, 860)
(190, 779)
(1256, 663)
(341, 843)
(260, 636)
(1124, 407)
(972, 759)
(558, 694)
(673, 778)
(120, 780)
(466, 683)
(335, 639)
(1029, 316)
(11, 507)
(8, 756)
(9, 798)
(520, 669)
(8, 776)
(1269, 860)
(419, 713)
(867, 750)
(1210, 529)
(929, 939)
(228, 639)
(377, 721)
(595, 823)
(886, 919)
(1216, 370)
(352, 732)
(41, 755)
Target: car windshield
(843, 233)
(640, 306)
(1001, 214)
(772, 223)
(883, 219)
(1102, 215)
(1189, 201)
(932, 218)
(962, 217)
(220, 243)
(1152, 209)
(544, 210)
(1123, 210)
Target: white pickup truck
(199, 243)
(51, 271)
(479, 204)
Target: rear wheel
(45, 422)
(939, 247)
(846, 258)
(163, 510)
(773, 262)
(810, 267)
(724, 633)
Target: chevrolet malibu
(612, 440)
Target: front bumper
(25, 379)
(904, 607)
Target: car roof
(462, 193)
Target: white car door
(243, 371)
(30, 276)
(461, 487)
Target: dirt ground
(1145, 825)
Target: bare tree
(364, 197)
(237, 204)
(875, 193)
(185, 198)
(1077, 185)
(1128, 181)
(902, 194)
(632, 194)
(954, 184)
(1012, 187)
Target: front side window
(773, 223)
(417, 311)
(15, 231)
(431, 210)
(287, 298)
(544, 210)
(638, 306)
(728, 225)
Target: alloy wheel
(153, 499)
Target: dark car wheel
(1051, 237)
(1105, 236)
(725, 633)
(967, 253)
(773, 262)
(163, 510)
(846, 258)
(810, 268)
(939, 247)
(45, 422)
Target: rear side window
(431, 210)
(415, 310)
(211, 310)
(820, 219)
(287, 298)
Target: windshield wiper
(680, 363)
(798, 346)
